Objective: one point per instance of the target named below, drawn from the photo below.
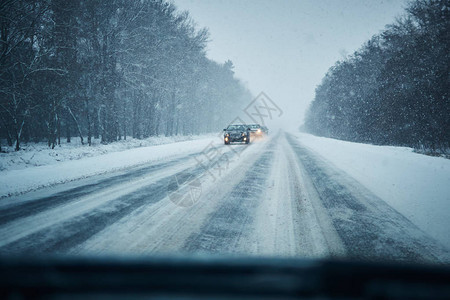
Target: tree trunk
(80, 134)
(68, 135)
(88, 120)
(103, 125)
(18, 134)
(96, 123)
(124, 121)
(17, 148)
(59, 131)
(9, 139)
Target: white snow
(39, 154)
(416, 185)
(28, 177)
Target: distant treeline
(108, 69)
(395, 89)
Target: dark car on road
(236, 133)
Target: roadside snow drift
(19, 181)
(40, 154)
(416, 185)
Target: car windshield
(236, 128)
(123, 129)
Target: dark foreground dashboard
(212, 278)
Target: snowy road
(274, 197)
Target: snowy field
(416, 185)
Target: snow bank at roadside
(30, 178)
(39, 154)
(416, 185)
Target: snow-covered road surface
(273, 198)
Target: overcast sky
(284, 48)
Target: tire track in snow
(369, 228)
(15, 211)
(223, 229)
(78, 220)
(311, 235)
(162, 228)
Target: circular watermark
(184, 189)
